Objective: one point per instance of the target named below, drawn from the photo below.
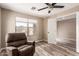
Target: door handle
(48, 32)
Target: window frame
(27, 27)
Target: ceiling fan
(51, 6)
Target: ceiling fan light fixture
(49, 11)
(33, 8)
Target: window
(22, 25)
(31, 28)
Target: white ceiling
(26, 8)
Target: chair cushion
(24, 47)
(25, 50)
(17, 43)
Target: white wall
(0, 27)
(77, 32)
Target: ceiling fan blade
(42, 8)
(47, 4)
(53, 4)
(58, 6)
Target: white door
(52, 31)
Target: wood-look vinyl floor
(59, 49)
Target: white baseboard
(38, 40)
(45, 40)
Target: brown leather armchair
(17, 45)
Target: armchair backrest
(16, 39)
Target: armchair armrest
(12, 51)
(31, 43)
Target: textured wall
(8, 24)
